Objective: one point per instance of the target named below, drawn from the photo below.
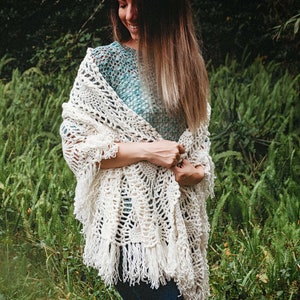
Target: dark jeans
(143, 291)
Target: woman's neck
(134, 44)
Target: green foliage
(33, 31)
(28, 264)
(233, 26)
(255, 246)
(36, 191)
(48, 32)
(254, 249)
(255, 122)
(292, 23)
(65, 53)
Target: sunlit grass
(23, 274)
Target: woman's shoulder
(106, 49)
(109, 55)
(113, 50)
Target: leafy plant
(292, 22)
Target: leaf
(296, 26)
(226, 154)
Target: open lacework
(138, 211)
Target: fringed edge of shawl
(134, 264)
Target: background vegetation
(254, 249)
(55, 33)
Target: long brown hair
(169, 51)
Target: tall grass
(36, 189)
(255, 216)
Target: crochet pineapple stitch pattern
(138, 211)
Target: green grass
(255, 217)
(254, 249)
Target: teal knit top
(118, 65)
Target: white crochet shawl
(138, 211)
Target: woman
(135, 135)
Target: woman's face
(128, 15)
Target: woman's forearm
(128, 153)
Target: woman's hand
(161, 153)
(188, 175)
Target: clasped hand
(168, 154)
(187, 174)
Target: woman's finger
(181, 148)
